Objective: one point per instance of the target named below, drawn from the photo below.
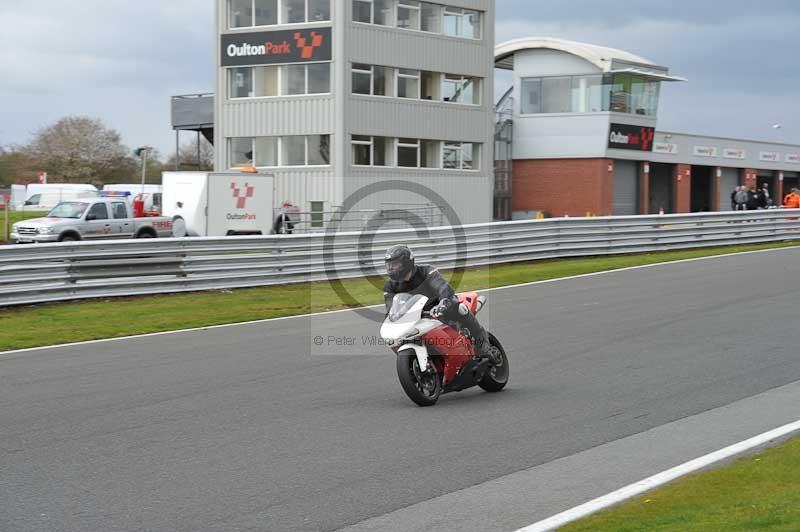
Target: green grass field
(71, 322)
(14, 217)
(759, 492)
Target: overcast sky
(120, 61)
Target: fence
(389, 216)
(61, 272)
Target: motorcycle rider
(405, 277)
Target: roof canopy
(606, 59)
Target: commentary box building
(335, 95)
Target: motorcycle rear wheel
(497, 376)
(422, 388)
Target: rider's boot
(485, 349)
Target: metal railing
(69, 271)
(388, 216)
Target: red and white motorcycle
(432, 357)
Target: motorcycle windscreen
(401, 304)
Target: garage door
(729, 181)
(626, 188)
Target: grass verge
(754, 493)
(72, 322)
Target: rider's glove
(439, 310)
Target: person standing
(792, 200)
(733, 198)
(752, 199)
(741, 199)
(764, 199)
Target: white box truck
(219, 204)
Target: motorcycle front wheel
(424, 388)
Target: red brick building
(585, 139)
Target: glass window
(240, 13)
(469, 159)
(408, 153)
(266, 151)
(362, 79)
(319, 78)
(319, 10)
(266, 81)
(408, 83)
(362, 150)
(380, 150)
(429, 154)
(557, 95)
(382, 12)
(294, 79)
(408, 14)
(381, 81)
(362, 11)
(430, 85)
(293, 11)
(587, 94)
(317, 213)
(461, 89)
(461, 156)
(462, 23)
(241, 82)
(293, 151)
(99, 211)
(451, 155)
(120, 210)
(472, 25)
(431, 17)
(319, 150)
(241, 151)
(266, 12)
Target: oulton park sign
(276, 47)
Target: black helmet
(399, 263)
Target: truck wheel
(145, 234)
(178, 227)
(68, 238)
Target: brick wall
(682, 189)
(564, 186)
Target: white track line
(268, 320)
(659, 479)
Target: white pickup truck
(90, 219)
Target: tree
(81, 149)
(15, 166)
(188, 156)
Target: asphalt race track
(255, 428)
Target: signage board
(276, 47)
(665, 147)
(628, 137)
(705, 151)
(734, 153)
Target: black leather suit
(429, 282)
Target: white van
(45, 197)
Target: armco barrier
(79, 270)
